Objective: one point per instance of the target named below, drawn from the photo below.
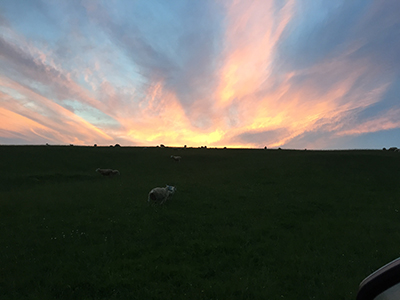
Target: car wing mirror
(383, 284)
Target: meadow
(244, 223)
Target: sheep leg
(165, 199)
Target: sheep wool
(176, 158)
(160, 195)
(107, 172)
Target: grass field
(244, 224)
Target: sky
(224, 73)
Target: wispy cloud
(227, 73)
(36, 117)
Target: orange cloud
(45, 118)
(162, 119)
(307, 107)
(251, 97)
(253, 31)
(387, 121)
(13, 123)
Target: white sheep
(176, 158)
(107, 172)
(160, 194)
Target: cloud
(320, 30)
(180, 49)
(227, 73)
(388, 120)
(378, 34)
(249, 47)
(38, 116)
(268, 137)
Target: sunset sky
(295, 74)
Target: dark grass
(244, 224)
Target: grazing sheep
(107, 172)
(160, 195)
(176, 158)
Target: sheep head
(171, 189)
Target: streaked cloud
(296, 74)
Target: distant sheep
(107, 172)
(160, 195)
(176, 158)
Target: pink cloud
(129, 88)
(388, 120)
(38, 114)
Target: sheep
(176, 158)
(160, 194)
(107, 172)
